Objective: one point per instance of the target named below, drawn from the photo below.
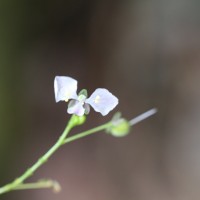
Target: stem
(132, 122)
(18, 184)
(39, 185)
(88, 132)
(29, 172)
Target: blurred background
(147, 53)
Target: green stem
(18, 183)
(29, 172)
(39, 185)
(88, 132)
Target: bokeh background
(146, 52)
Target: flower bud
(78, 120)
(120, 128)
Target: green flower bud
(78, 120)
(120, 128)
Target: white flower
(101, 100)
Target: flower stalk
(18, 184)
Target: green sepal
(83, 92)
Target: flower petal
(102, 101)
(76, 107)
(65, 88)
(87, 108)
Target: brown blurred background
(147, 53)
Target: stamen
(97, 99)
(67, 96)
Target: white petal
(76, 107)
(65, 88)
(102, 101)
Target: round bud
(78, 120)
(120, 128)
